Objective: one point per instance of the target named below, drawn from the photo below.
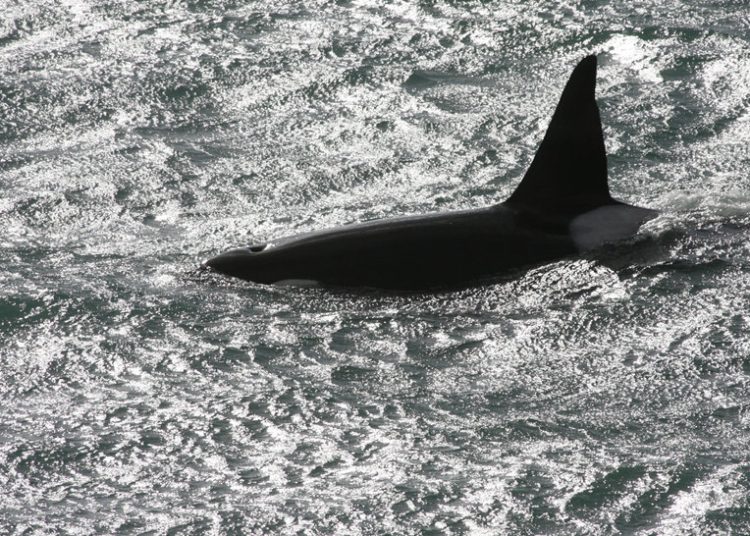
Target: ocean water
(602, 395)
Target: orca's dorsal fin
(569, 171)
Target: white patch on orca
(297, 283)
(606, 224)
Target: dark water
(585, 397)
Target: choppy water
(588, 396)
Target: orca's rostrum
(562, 207)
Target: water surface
(603, 395)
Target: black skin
(449, 250)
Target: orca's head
(235, 262)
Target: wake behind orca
(562, 207)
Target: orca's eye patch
(257, 248)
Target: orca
(561, 208)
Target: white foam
(634, 54)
